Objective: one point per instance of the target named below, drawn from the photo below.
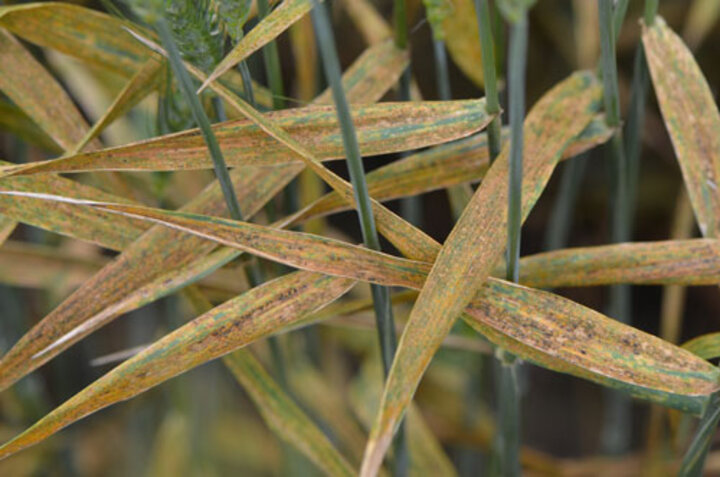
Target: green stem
(619, 16)
(509, 403)
(558, 229)
(616, 431)
(651, 9)
(271, 58)
(201, 119)
(632, 132)
(357, 175)
(489, 77)
(441, 70)
(694, 460)
(609, 66)
(516, 75)
(381, 295)
(400, 24)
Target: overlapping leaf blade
(475, 245)
(692, 119)
(382, 129)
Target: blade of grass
(381, 295)
(201, 119)
(381, 298)
(616, 430)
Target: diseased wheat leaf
(92, 36)
(520, 305)
(36, 92)
(133, 280)
(687, 262)
(475, 245)
(692, 119)
(510, 313)
(255, 314)
(264, 32)
(89, 225)
(564, 336)
(382, 129)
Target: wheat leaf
(92, 36)
(36, 92)
(687, 262)
(692, 119)
(382, 128)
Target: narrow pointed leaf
(475, 245)
(83, 223)
(92, 36)
(264, 32)
(259, 312)
(565, 336)
(692, 119)
(687, 262)
(382, 129)
(36, 92)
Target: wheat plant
(326, 247)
